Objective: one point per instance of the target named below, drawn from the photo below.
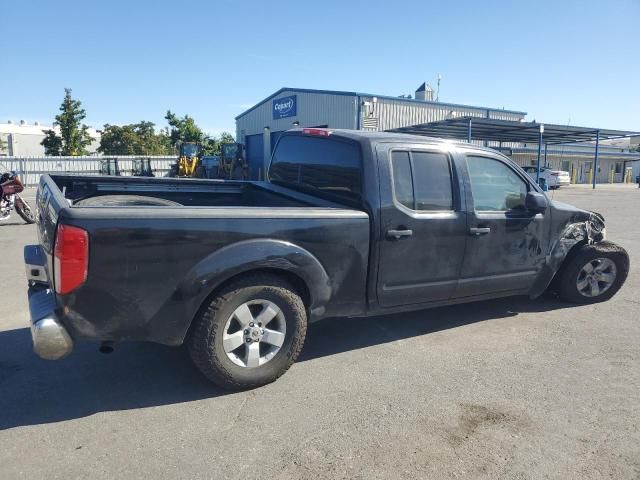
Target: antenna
(438, 88)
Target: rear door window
(422, 180)
(402, 179)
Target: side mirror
(536, 202)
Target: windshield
(229, 150)
(189, 149)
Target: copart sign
(284, 107)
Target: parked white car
(554, 178)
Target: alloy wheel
(254, 333)
(596, 277)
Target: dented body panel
(570, 226)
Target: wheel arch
(296, 265)
(571, 239)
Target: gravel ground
(510, 388)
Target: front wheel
(594, 273)
(24, 210)
(250, 333)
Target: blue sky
(560, 61)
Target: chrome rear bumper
(51, 340)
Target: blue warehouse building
(259, 127)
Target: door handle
(398, 234)
(477, 231)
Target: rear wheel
(250, 333)
(594, 273)
(24, 210)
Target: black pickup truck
(349, 224)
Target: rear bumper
(51, 340)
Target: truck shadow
(139, 375)
(337, 335)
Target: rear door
(506, 244)
(423, 225)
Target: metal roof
(356, 94)
(511, 131)
(569, 151)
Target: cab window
(422, 180)
(495, 186)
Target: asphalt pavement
(509, 388)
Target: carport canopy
(480, 128)
(488, 129)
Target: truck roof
(375, 137)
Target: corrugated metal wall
(337, 111)
(340, 110)
(31, 168)
(387, 113)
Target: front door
(423, 226)
(506, 244)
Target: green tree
(183, 129)
(2, 145)
(52, 143)
(226, 137)
(74, 137)
(135, 139)
(213, 145)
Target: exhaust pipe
(106, 348)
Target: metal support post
(595, 160)
(541, 131)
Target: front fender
(590, 230)
(257, 254)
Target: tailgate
(49, 202)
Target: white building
(23, 140)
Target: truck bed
(187, 192)
(150, 268)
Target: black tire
(205, 339)
(125, 200)
(566, 283)
(24, 210)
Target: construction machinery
(109, 166)
(140, 167)
(230, 165)
(233, 165)
(188, 160)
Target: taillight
(320, 132)
(71, 258)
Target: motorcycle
(10, 198)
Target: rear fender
(259, 254)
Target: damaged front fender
(580, 227)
